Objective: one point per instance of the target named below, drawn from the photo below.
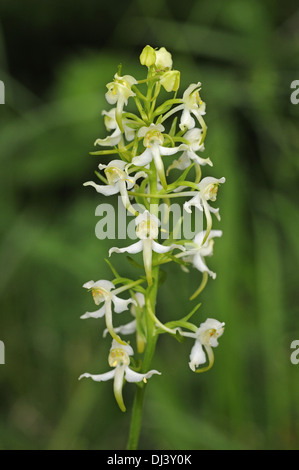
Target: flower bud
(148, 56)
(163, 59)
(171, 80)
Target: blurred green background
(55, 60)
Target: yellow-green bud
(171, 80)
(148, 56)
(163, 59)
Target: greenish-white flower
(197, 251)
(111, 125)
(119, 359)
(119, 181)
(147, 230)
(119, 91)
(104, 292)
(193, 137)
(192, 104)
(207, 191)
(206, 338)
(153, 141)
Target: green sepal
(172, 258)
(166, 106)
(122, 280)
(101, 177)
(134, 263)
(173, 127)
(187, 317)
(112, 268)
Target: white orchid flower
(153, 141)
(119, 181)
(194, 137)
(199, 250)
(111, 125)
(119, 91)
(208, 188)
(119, 359)
(191, 104)
(205, 337)
(104, 291)
(147, 230)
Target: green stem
(137, 411)
(151, 295)
(136, 419)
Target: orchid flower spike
(119, 181)
(119, 359)
(153, 141)
(147, 230)
(104, 291)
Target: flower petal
(100, 377)
(199, 160)
(209, 180)
(97, 314)
(201, 266)
(187, 121)
(107, 190)
(158, 248)
(195, 201)
(169, 150)
(120, 305)
(107, 285)
(198, 239)
(197, 356)
(132, 249)
(118, 386)
(132, 376)
(111, 140)
(127, 329)
(143, 159)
